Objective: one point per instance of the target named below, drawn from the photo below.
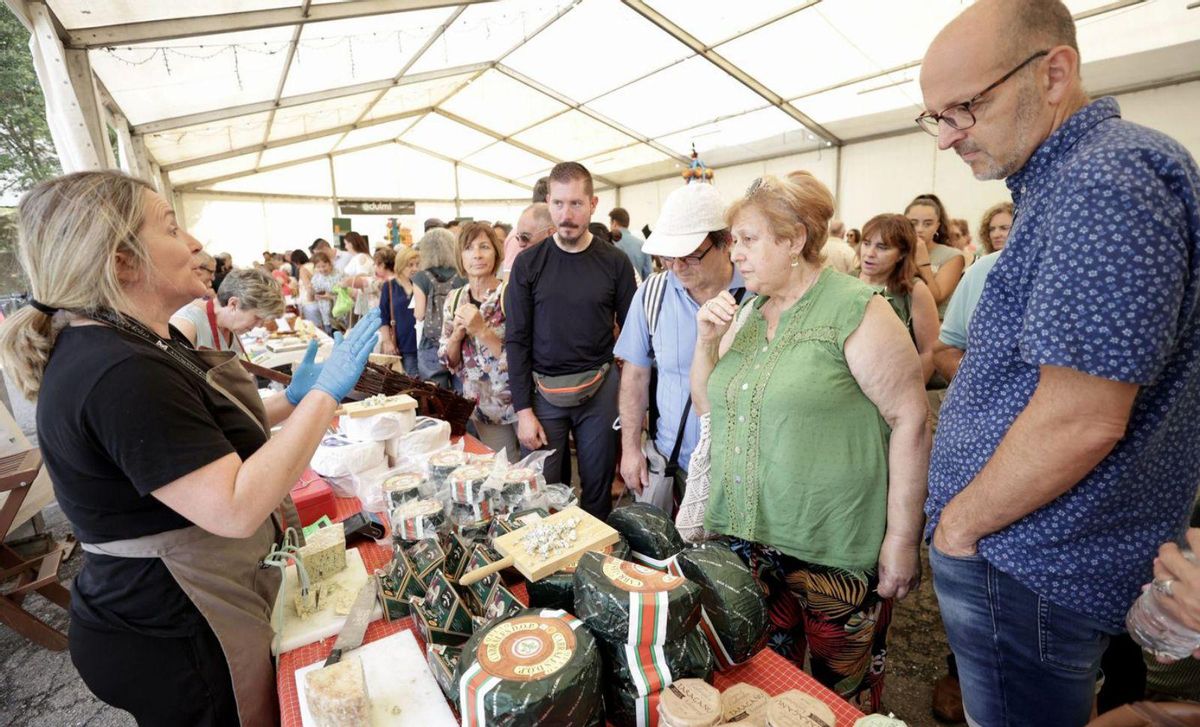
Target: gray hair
(437, 249)
(255, 290)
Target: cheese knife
(351, 635)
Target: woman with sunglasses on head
(819, 446)
(887, 256)
(939, 264)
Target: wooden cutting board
(591, 534)
(326, 622)
(401, 688)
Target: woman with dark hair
(939, 264)
(360, 273)
(853, 237)
(887, 255)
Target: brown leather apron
(224, 577)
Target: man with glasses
(533, 226)
(659, 337)
(565, 297)
(1066, 449)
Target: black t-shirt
(116, 420)
(559, 310)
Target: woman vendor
(159, 453)
(819, 447)
(246, 300)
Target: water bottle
(1155, 630)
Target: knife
(351, 635)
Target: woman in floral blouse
(472, 341)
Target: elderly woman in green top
(819, 441)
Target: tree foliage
(26, 149)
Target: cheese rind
(337, 694)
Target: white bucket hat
(689, 214)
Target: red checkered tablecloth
(767, 670)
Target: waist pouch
(570, 390)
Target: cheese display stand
(610, 638)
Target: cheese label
(638, 578)
(571, 566)
(526, 648)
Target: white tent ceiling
(426, 99)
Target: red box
(313, 497)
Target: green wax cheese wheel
(735, 612)
(540, 667)
(647, 668)
(631, 603)
(624, 707)
(649, 531)
(557, 590)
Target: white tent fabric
(461, 106)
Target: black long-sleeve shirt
(559, 310)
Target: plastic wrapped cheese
(338, 456)
(540, 667)
(630, 603)
(651, 534)
(648, 668)
(734, 613)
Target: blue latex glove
(345, 364)
(304, 375)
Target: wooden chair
(18, 474)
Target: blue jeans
(1022, 661)
(412, 366)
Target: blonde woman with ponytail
(160, 454)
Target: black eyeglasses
(692, 260)
(959, 116)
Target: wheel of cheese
(624, 707)
(557, 590)
(633, 604)
(745, 704)
(540, 667)
(443, 462)
(650, 532)
(690, 703)
(417, 520)
(797, 709)
(734, 613)
(648, 668)
(466, 483)
(403, 488)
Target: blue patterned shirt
(1101, 274)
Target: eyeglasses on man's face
(959, 116)
(689, 260)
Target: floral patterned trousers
(833, 614)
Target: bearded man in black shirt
(564, 302)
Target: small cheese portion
(690, 703)
(797, 709)
(745, 704)
(324, 552)
(337, 694)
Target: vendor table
(767, 670)
(270, 360)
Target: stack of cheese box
(673, 613)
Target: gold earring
(795, 261)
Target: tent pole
(333, 186)
(457, 199)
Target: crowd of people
(824, 398)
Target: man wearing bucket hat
(659, 336)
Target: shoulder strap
(652, 303)
(500, 292)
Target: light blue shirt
(963, 302)
(674, 344)
(631, 245)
